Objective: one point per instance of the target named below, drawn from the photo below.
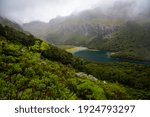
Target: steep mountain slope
(81, 28)
(76, 28)
(36, 28)
(131, 41)
(27, 74)
(115, 30)
(33, 69)
(7, 22)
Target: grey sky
(44, 10)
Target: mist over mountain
(7, 22)
(37, 28)
(95, 26)
(90, 27)
(90, 22)
(24, 11)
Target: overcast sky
(23, 11)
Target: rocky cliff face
(79, 33)
(74, 29)
(87, 29)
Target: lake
(103, 56)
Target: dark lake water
(103, 56)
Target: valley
(95, 30)
(33, 69)
(98, 53)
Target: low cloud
(23, 11)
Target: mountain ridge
(101, 29)
(7, 22)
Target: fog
(23, 11)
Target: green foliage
(55, 54)
(33, 69)
(25, 74)
(44, 46)
(136, 76)
(114, 91)
(86, 89)
(17, 36)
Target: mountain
(36, 28)
(116, 29)
(131, 41)
(76, 28)
(7, 22)
(33, 69)
(80, 28)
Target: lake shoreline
(76, 49)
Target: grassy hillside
(33, 69)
